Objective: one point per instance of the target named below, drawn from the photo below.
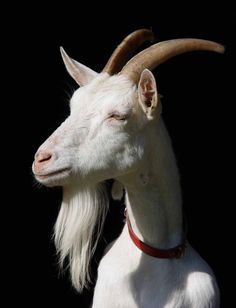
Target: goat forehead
(99, 97)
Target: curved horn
(161, 52)
(124, 51)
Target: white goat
(115, 130)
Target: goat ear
(79, 72)
(148, 96)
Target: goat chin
(58, 178)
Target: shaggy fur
(78, 227)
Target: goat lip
(53, 173)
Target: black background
(198, 106)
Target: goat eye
(118, 117)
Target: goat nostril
(43, 157)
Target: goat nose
(41, 158)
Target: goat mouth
(52, 174)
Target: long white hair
(78, 227)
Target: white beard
(78, 227)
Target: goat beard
(78, 228)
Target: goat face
(103, 136)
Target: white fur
(129, 278)
(78, 228)
(115, 131)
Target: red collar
(175, 252)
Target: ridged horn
(161, 52)
(125, 49)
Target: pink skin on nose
(41, 159)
